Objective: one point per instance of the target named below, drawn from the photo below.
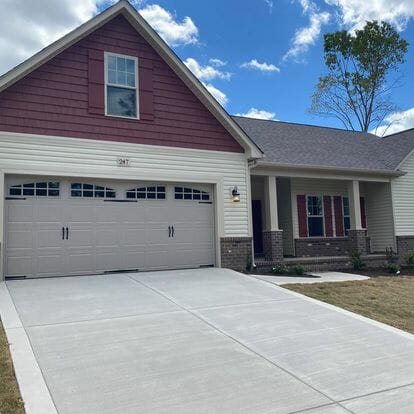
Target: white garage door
(56, 228)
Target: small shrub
(391, 255)
(393, 268)
(279, 269)
(298, 270)
(356, 260)
(409, 258)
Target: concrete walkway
(316, 277)
(198, 341)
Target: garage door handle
(63, 233)
(67, 233)
(169, 231)
(172, 227)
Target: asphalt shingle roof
(307, 145)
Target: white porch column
(270, 193)
(272, 236)
(354, 205)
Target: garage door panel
(47, 213)
(107, 261)
(157, 259)
(49, 264)
(108, 237)
(81, 263)
(48, 238)
(19, 238)
(83, 213)
(17, 212)
(133, 260)
(135, 236)
(19, 265)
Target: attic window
(121, 85)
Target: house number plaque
(123, 162)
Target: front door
(257, 227)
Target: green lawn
(10, 400)
(386, 299)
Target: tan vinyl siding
(403, 199)
(379, 216)
(41, 155)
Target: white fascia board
(337, 173)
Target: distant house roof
(313, 146)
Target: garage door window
(152, 193)
(41, 189)
(185, 193)
(91, 190)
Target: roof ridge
(398, 133)
(309, 125)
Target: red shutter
(363, 213)
(339, 218)
(327, 210)
(302, 216)
(96, 81)
(146, 90)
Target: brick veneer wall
(358, 241)
(329, 246)
(315, 264)
(273, 245)
(332, 246)
(405, 245)
(236, 252)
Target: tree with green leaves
(362, 69)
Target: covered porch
(301, 217)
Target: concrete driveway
(206, 341)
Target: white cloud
(28, 26)
(217, 93)
(258, 114)
(308, 35)
(396, 122)
(354, 13)
(175, 33)
(269, 4)
(218, 63)
(263, 67)
(205, 73)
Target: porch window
(346, 215)
(315, 216)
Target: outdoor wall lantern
(235, 194)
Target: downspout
(251, 164)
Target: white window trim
(323, 215)
(106, 55)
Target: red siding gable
(54, 99)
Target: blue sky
(282, 40)
(237, 32)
